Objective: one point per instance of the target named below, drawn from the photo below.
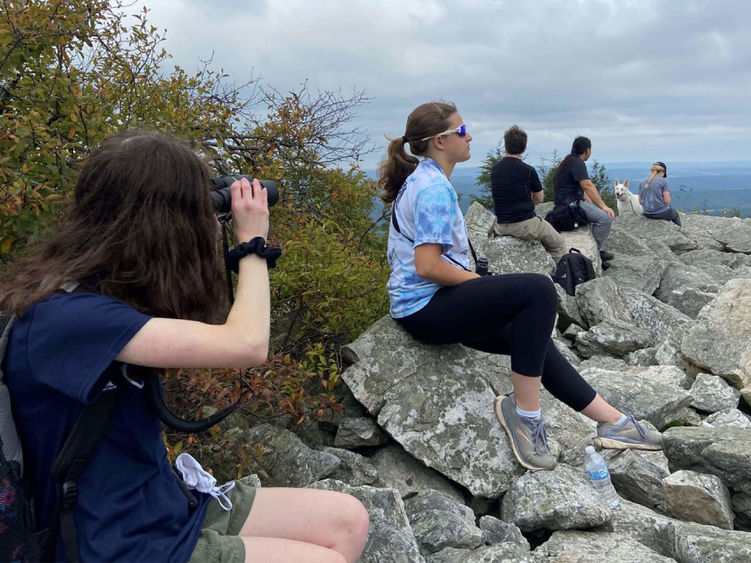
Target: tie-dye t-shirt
(427, 211)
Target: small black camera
(481, 266)
(222, 199)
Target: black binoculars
(221, 196)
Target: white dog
(626, 201)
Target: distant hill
(707, 187)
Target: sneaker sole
(610, 444)
(502, 420)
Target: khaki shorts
(219, 541)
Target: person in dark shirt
(572, 183)
(516, 190)
(140, 243)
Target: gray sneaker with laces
(528, 438)
(629, 435)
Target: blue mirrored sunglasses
(461, 131)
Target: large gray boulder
(283, 460)
(661, 321)
(614, 337)
(720, 342)
(399, 470)
(660, 403)
(439, 521)
(603, 547)
(689, 289)
(712, 394)
(704, 256)
(560, 499)
(723, 451)
(698, 497)
(437, 402)
(734, 234)
(506, 255)
(638, 476)
(728, 417)
(354, 469)
(699, 543)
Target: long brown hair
(426, 120)
(140, 229)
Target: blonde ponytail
(654, 171)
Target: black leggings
(668, 215)
(508, 314)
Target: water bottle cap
(590, 450)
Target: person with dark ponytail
(654, 195)
(572, 184)
(436, 298)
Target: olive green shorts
(219, 541)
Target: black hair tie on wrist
(256, 245)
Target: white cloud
(639, 77)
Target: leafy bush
(73, 73)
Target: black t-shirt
(566, 184)
(512, 182)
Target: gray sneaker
(630, 435)
(528, 438)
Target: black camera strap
(155, 396)
(227, 266)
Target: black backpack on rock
(573, 269)
(567, 217)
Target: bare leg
(600, 411)
(277, 550)
(312, 518)
(527, 391)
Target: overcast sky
(644, 79)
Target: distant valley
(706, 187)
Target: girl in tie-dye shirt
(438, 299)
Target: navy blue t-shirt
(130, 507)
(566, 185)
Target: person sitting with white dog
(572, 183)
(627, 202)
(654, 195)
(516, 189)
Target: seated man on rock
(516, 190)
(572, 184)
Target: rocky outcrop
(663, 333)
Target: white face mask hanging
(195, 477)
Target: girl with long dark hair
(435, 297)
(139, 242)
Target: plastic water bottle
(600, 476)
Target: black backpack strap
(471, 249)
(77, 451)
